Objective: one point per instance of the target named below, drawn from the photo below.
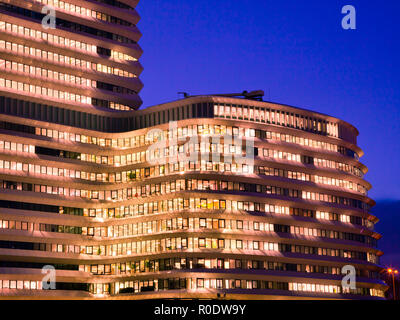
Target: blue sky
(297, 52)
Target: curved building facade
(205, 197)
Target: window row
(320, 288)
(67, 24)
(198, 152)
(54, 39)
(159, 285)
(17, 147)
(138, 286)
(168, 264)
(20, 284)
(181, 205)
(46, 73)
(137, 175)
(271, 135)
(222, 225)
(178, 186)
(62, 59)
(85, 11)
(192, 204)
(279, 117)
(159, 226)
(191, 243)
(296, 175)
(43, 91)
(40, 285)
(29, 226)
(163, 170)
(179, 133)
(58, 40)
(323, 163)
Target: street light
(393, 272)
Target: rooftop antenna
(252, 95)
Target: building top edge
(247, 102)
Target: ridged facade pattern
(126, 205)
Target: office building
(204, 197)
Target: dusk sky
(297, 52)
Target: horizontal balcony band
(127, 99)
(132, 49)
(51, 199)
(274, 218)
(125, 82)
(129, 32)
(133, 100)
(128, 15)
(31, 197)
(265, 275)
(294, 258)
(281, 238)
(133, 66)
